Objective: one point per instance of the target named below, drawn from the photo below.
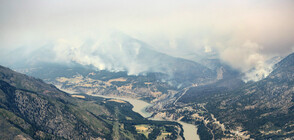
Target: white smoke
(259, 72)
(177, 28)
(249, 59)
(115, 52)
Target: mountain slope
(31, 109)
(229, 108)
(46, 117)
(264, 108)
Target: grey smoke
(244, 34)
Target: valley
(147, 70)
(32, 109)
(209, 105)
(223, 107)
(165, 103)
(139, 106)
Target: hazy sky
(244, 32)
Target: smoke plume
(244, 34)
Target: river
(190, 131)
(139, 105)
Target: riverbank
(190, 131)
(139, 106)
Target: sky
(244, 33)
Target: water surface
(190, 131)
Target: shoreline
(139, 106)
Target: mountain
(147, 74)
(230, 108)
(116, 52)
(32, 109)
(264, 109)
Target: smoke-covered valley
(221, 66)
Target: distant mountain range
(118, 53)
